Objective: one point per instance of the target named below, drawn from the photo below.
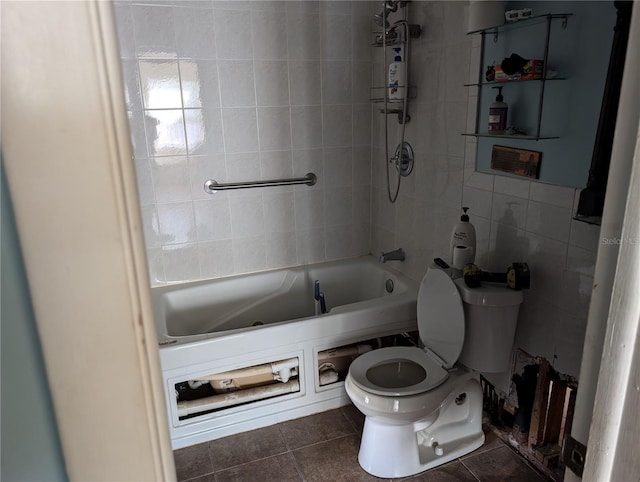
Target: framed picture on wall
(521, 162)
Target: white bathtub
(207, 327)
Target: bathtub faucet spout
(397, 255)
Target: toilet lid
(441, 316)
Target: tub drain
(258, 323)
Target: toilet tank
(491, 317)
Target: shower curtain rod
(211, 185)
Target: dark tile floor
(324, 447)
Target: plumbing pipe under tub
(214, 402)
(343, 351)
(281, 370)
(339, 359)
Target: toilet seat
(406, 371)
(398, 358)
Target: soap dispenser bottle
(498, 114)
(463, 242)
(396, 76)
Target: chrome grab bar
(211, 186)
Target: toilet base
(391, 450)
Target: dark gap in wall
(537, 421)
(525, 385)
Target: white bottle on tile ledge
(464, 235)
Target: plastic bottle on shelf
(498, 114)
(396, 76)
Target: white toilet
(423, 407)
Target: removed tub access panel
(218, 391)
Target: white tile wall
(532, 222)
(561, 254)
(242, 90)
(515, 219)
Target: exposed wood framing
(555, 411)
(539, 415)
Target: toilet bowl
(421, 408)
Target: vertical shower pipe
(396, 159)
(386, 100)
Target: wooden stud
(548, 455)
(568, 416)
(555, 412)
(539, 413)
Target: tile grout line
(324, 441)
(469, 470)
(215, 471)
(297, 466)
(351, 422)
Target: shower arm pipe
(211, 186)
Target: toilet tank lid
(489, 294)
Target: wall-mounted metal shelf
(536, 19)
(377, 95)
(399, 34)
(517, 137)
(394, 106)
(392, 38)
(548, 18)
(505, 83)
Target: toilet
(423, 406)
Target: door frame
(69, 165)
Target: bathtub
(225, 325)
